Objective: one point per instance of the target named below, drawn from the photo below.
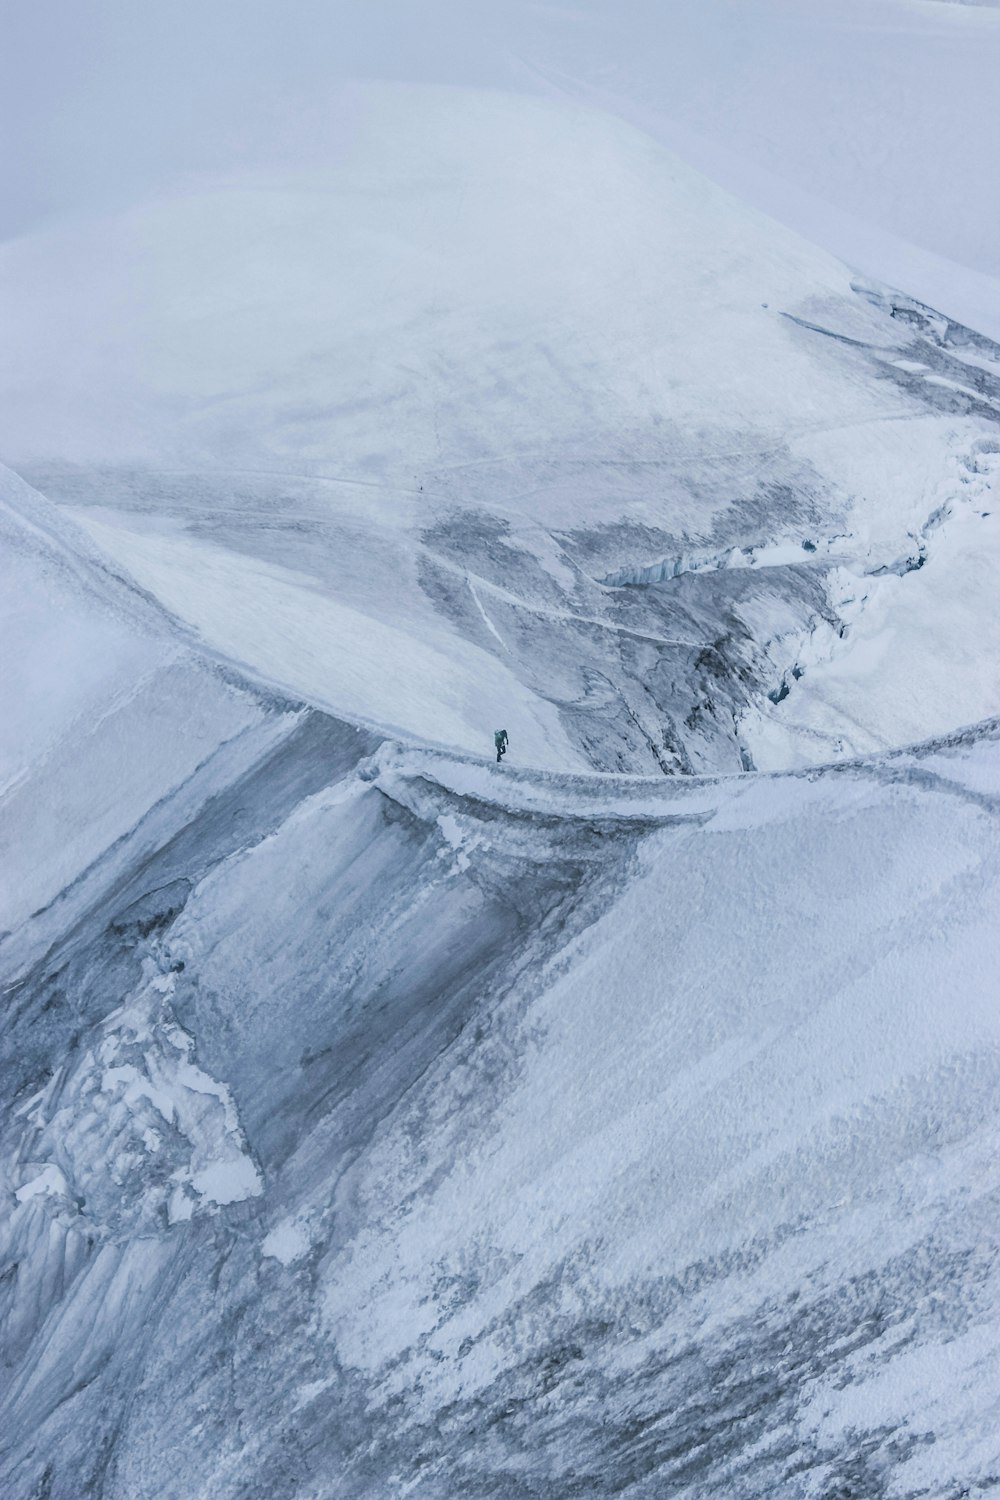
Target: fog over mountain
(380, 1117)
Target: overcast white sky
(881, 112)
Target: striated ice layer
(465, 1131)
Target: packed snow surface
(380, 1120)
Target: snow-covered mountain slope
(360, 405)
(868, 126)
(381, 1121)
(106, 709)
(429, 1129)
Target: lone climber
(500, 740)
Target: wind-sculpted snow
(387, 1122)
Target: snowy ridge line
(632, 798)
(279, 696)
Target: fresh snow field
(378, 1120)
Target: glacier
(378, 1120)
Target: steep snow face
(105, 709)
(889, 658)
(426, 683)
(467, 381)
(447, 1130)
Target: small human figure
(500, 740)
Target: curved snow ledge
(410, 777)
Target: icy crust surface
(458, 1132)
